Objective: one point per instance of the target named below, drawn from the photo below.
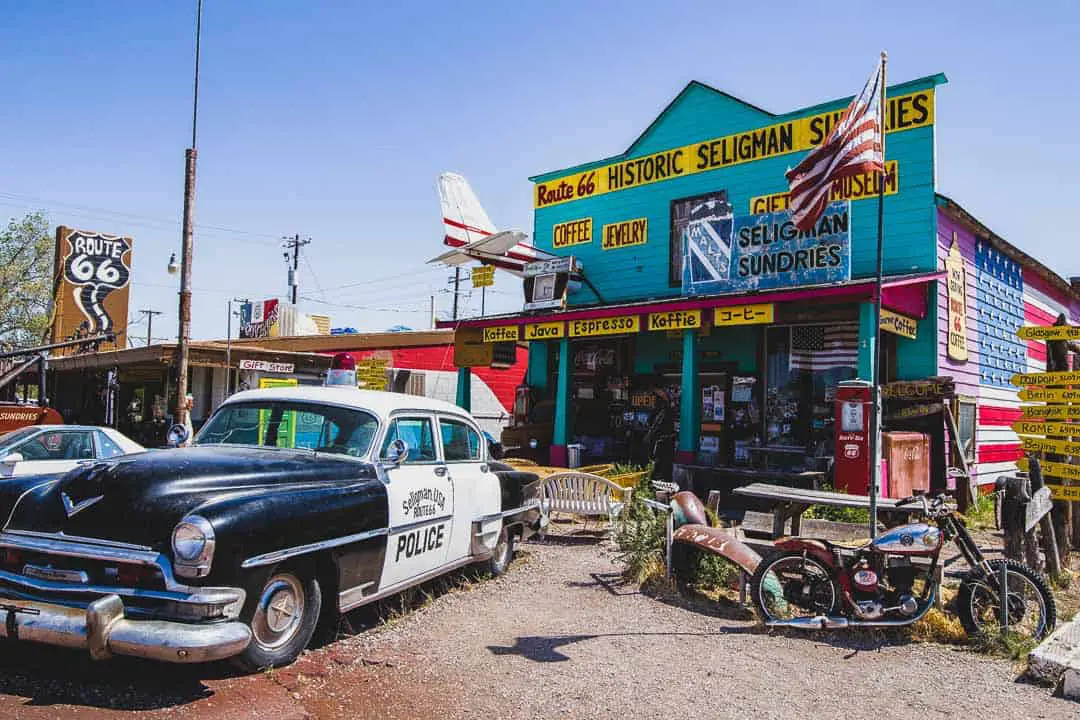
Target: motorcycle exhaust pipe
(821, 622)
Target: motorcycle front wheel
(1032, 612)
(789, 585)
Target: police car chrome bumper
(102, 629)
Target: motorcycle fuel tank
(917, 538)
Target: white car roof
(379, 403)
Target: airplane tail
(464, 218)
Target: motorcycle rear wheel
(1032, 609)
(787, 585)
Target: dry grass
(938, 626)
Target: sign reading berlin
(903, 112)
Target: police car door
(476, 488)
(421, 497)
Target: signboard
(547, 281)
(605, 326)
(935, 388)
(371, 373)
(915, 411)
(759, 252)
(91, 283)
(265, 366)
(1065, 492)
(500, 333)
(1055, 332)
(1061, 447)
(1025, 427)
(1044, 395)
(259, 319)
(1051, 412)
(1052, 469)
(1041, 503)
(1046, 378)
(760, 314)
(572, 232)
(470, 350)
(545, 331)
(483, 276)
(957, 281)
(625, 234)
(856, 187)
(675, 320)
(549, 267)
(902, 112)
(898, 324)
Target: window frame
(481, 453)
(436, 438)
(100, 440)
(62, 431)
(974, 403)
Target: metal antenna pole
(875, 417)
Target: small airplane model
(472, 235)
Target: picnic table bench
(790, 503)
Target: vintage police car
(293, 505)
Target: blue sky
(333, 119)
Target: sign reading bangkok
(759, 252)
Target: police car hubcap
(280, 609)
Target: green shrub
(981, 514)
(639, 542)
(856, 516)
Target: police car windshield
(7, 440)
(311, 426)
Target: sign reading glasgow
(759, 252)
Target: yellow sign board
(483, 276)
(1065, 492)
(760, 314)
(1052, 469)
(545, 331)
(500, 333)
(675, 320)
(898, 324)
(470, 350)
(1051, 412)
(1044, 395)
(1061, 447)
(371, 374)
(572, 232)
(856, 187)
(1027, 427)
(903, 112)
(625, 234)
(605, 326)
(1046, 378)
(1054, 332)
(957, 283)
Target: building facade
(696, 292)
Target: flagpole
(875, 415)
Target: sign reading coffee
(759, 252)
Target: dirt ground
(560, 636)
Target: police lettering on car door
(420, 541)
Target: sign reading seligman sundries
(91, 282)
(903, 112)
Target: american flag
(852, 148)
(820, 347)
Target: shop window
(965, 410)
(804, 364)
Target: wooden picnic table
(790, 503)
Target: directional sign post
(1054, 332)
(1046, 378)
(1053, 469)
(1061, 447)
(1048, 395)
(1051, 412)
(1059, 429)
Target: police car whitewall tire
(282, 610)
(503, 552)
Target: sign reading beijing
(759, 252)
(903, 112)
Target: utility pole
(457, 286)
(294, 243)
(187, 245)
(150, 324)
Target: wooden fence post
(1046, 525)
(1013, 501)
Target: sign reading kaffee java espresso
(91, 283)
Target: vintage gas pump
(851, 469)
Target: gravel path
(558, 637)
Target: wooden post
(1046, 525)
(965, 493)
(1014, 499)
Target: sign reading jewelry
(759, 252)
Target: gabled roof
(1003, 246)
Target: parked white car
(50, 449)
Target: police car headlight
(193, 546)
